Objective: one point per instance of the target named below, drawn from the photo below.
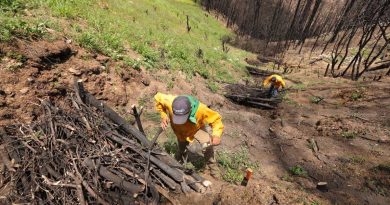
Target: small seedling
(349, 135)
(316, 99)
(170, 145)
(287, 178)
(357, 159)
(212, 86)
(152, 116)
(234, 162)
(298, 171)
(356, 95)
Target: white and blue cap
(181, 107)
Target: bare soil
(351, 125)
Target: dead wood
(109, 113)
(5, 159)
(138, 119)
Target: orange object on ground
(249, 173)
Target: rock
(125, 76)
(145, 81)
(74, 71)
(96, 69)
(322, 186)
(30, 80)
(68, 41)
(206, 183)
(24, 90)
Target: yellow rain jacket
(279, 81)
(186, 132)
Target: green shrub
(16, 27)
(212, 86)
(356, 95)
(234, 163)
(316, 99)
(170, 145)
(298, 170)
(152, 116)
(89, 40)
(357, 159)
(349, 135)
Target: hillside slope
(122, 61)
(157, 30)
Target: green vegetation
(212, 86)
(314, 203)
(356, 159)
(356, 95)
(384, 167)
(110, 27)
(234, 163)
(170, 83)
(297, 170)
(378, 187)
(316, 99)
(170, 145)
(12, 61)
(143, 100)
(349, 135)
(197, 164)
(152, 116)
(14, 25)
(290, 101)
(299, 86)
(287, 178)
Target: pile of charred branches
(81, 151)
(265, 73)
(258, 72)
(251, 96)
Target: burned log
(259, 72)
(109, 113)
(252, 96)
(105, 173)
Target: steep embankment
(125, 53)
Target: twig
(159, 131)
(57, 183)
(88, 126)
(5, 159)
(138, 119)
(85, 184)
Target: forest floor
(349, 121)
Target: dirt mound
(32, 71)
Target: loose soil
(350, 125)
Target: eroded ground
(348, 121)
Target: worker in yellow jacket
(276, 82)
(188, 118)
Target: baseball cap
(181, 107)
